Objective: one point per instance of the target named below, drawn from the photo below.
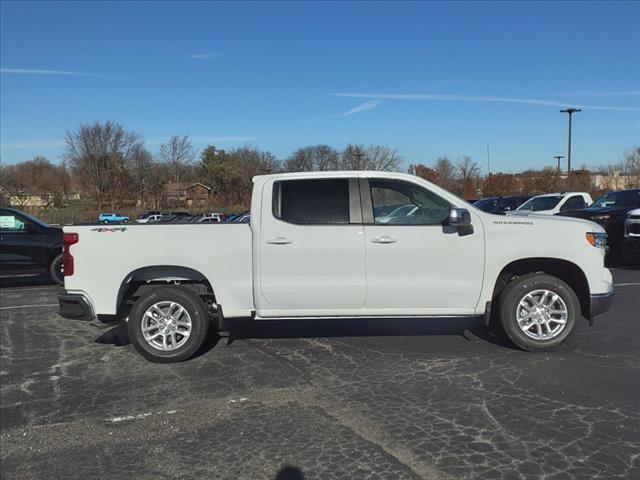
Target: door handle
(384, 239)
(279, 241)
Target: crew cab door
(415, 263)
(21, 247)
(311, 248)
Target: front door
(416, 263)
(311, 246)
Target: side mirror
(459, 217)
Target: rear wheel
(538, 311)
(168, 324)
(56, 270)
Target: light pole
(558, 158)
(570, 111)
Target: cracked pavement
(334, 399)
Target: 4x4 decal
(109, 229)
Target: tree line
(113, 167)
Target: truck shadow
(470, 329)
(465, 327)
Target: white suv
(552, 203)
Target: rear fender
(157, 274)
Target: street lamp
(570, 111)
(558, 158)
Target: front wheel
(168, 324)
(56, 270)
(538, 311)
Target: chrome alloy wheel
(542, 314)
(166, 325)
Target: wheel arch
(55, 251)
(565, 270)
(138, 281)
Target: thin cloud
(477, 98)
(32, 144)
(370, 105)
(203, 56)
(31, 71)
(600, 93)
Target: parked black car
(29, 246)
(610, 211)
(501, 204)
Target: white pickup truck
(326, 245)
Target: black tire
(196, 310)
(55, 270)
(516, 291)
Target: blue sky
(425, 78)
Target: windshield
(541, 203)
(486, 204)
(629, 198)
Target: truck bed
(220, 252)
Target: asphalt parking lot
(403, 399)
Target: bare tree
(141, 170)
(353, 157)
(631, 165)
(178, 154)
(446, 172)
(468, 169)
(382, 158)
(313, 158)
(249, 162)
(99, 155)
(468, 175)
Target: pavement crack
(370, 433)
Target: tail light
(67, 259)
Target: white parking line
(30, 306)
(140, 416)
(625, 284)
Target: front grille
(634, 229)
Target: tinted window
(574, 203)
(312, 202)
(541, 203)
(10, 223)
(626, 198)
(487, 205)
(418, 206)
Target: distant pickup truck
(315, 249)
(112, 218)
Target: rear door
(311, 248)
(21, 246)
(416, 264)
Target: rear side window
(574, 203)
(11, 223)
(312, 202)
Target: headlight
(601, 218)
(597, 239)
